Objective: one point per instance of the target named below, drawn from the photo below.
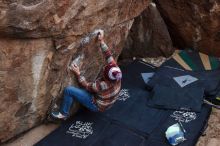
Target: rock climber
(97, 96)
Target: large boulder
(193, 24)
(23, 73)
(43, 18)
(40, 38)
(149, 36)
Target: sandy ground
(211, 136)
(212, 133)
(33, 136)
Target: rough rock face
(193, 24)
(23, 64)
(40, 38)
(148, 36)
(43, 18)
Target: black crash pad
(129, 122)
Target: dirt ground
(212, 133)
(33, 136)
(211, 136)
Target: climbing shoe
(58, 115)
(213, 101)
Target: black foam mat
(131, 108)
(117, 135)
(128, 122)
(205, 84)
(134, 113)
(189, 99)
(194, 124)
(84, 129)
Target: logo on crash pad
(123, 95)
(147, 76)
(185, 80)
(80, 129)
(183, 116)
